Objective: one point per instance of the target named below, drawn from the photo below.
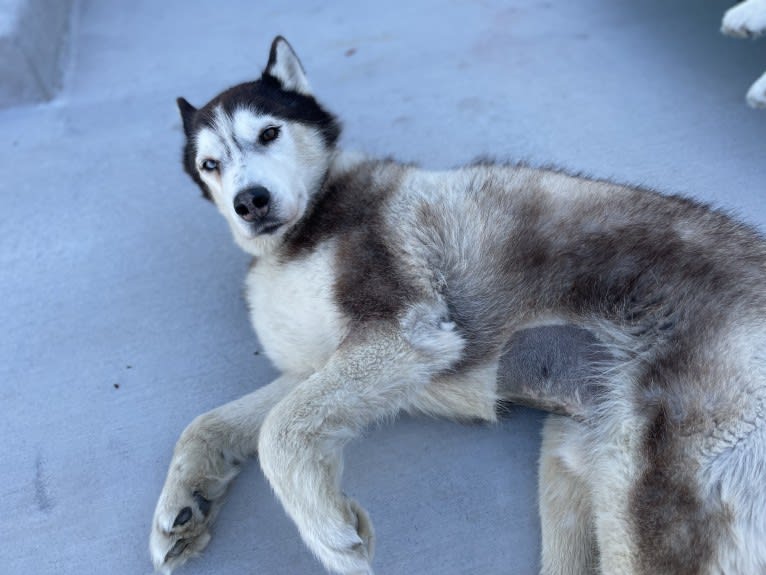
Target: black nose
(252, 204)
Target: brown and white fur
(378, 288)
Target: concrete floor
(120, 289)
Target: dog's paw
(346, 549)
(745, 20)
(193, 493)
(363, 528)
(756, 95)
(180, 529)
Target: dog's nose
(252, 204)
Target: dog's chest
(293, 311)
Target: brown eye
(209, 165)
(268, 135)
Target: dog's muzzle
(252, 204)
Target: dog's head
(259, 150)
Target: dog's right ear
(187, 115)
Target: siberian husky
(378, 287)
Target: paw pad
(183, 517)
(203, 504)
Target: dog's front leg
(206, 459)
(377, 371)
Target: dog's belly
(294, 313)
(554, 368)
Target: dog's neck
(348, 196)
(340, 162)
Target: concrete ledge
(32, 37)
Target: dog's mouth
(263, 228)
(269, 228)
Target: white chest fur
(293, 310)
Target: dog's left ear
(285, 66)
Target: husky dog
(378, 287)
(748, 20)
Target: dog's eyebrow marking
(217, 128)
(237, 130)
(243, 126)
(210, 143)
(212, 139)
(246, 125)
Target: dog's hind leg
(206, 459)
(736, 474)
(566, 516)
(376, 372)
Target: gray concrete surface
(33, 47)
(120, 290)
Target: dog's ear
(187, 115)
(285, 66)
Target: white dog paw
(180, 529)
(745, 20)
(346, 550)
(363, 528)
(756, 95)
(189, 502)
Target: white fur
(745, 20)
(756, 95)
(293, 311)
(289, 167)
(748, 20)
(288, 68)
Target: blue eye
(209, 165)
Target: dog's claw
(177, 549)
(179, 535)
